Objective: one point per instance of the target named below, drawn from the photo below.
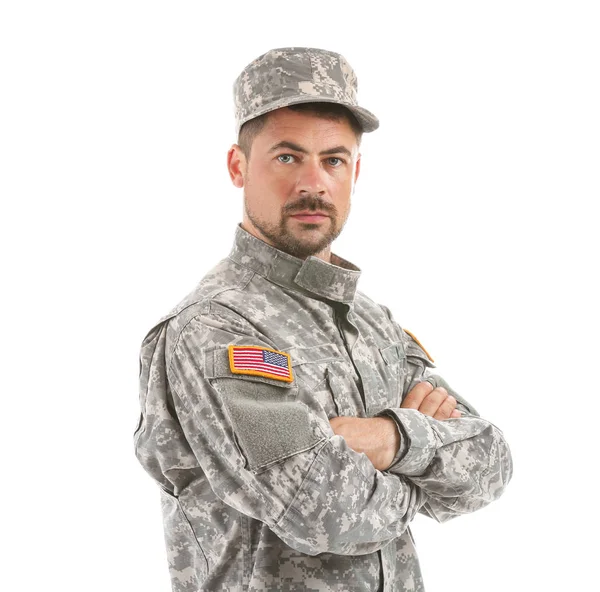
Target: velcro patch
(260, 361)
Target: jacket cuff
(419, 442)
(404, 441)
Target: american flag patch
(260, 361)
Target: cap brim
(367, 120)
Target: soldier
(294, 428)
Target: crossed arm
(263, 455)
(379, 437)
(419, 445)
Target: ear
(357, 171)
(236, 165)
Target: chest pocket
(394, 372)
(417, 365)
(316, 369)
(269, 422)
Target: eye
(288, 158)
(340, 161)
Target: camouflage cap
(291, 75)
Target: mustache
(311, 203)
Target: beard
(307, 239)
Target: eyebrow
(295, 147)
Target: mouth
(310, 216)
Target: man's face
(298, 181)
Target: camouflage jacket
(257, 492)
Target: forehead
(305, 128)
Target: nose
(311, 178)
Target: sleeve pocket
(269, 422)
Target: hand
(377, 437)
(435, 402)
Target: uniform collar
(335, 281)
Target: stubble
(300, 239)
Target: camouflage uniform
(257, 491)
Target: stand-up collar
(336, 280)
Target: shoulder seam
(207, 300)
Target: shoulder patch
(260, 361)
(419, 344)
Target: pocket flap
(317, 353)
(393, 353)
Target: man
(294, 428)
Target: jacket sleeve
(267, 455)
(462, 464)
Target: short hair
(331, 111)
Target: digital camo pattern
(257, 491)
(290, 75)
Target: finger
(445, 409)
(415, 397)
(433, 400)
(456, 413)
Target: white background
(474, 220)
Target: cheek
(342, 192)
(270, 182)
(281, 184)
(340, 181)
